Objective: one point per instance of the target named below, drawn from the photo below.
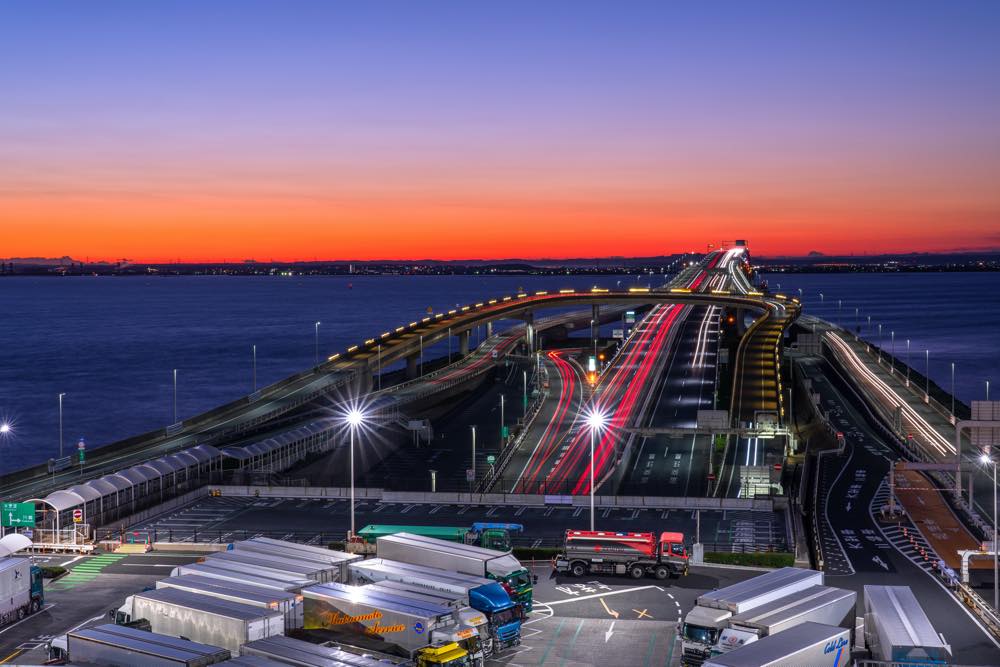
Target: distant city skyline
(235, 130)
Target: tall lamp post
(927, 375)
(987, 459)
(595, 420)
(61, 425)
(953, 392)
(316, 327)
(355, 418)
(175, 396)
(907, 362)
(253, 356)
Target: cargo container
(321, 572)
(200, 618)
(290, 651)
(241, 572)
(481, 534)
(471, 626)
(464, 558)
(808, 645)
(21, 589)
(289, 604)
(118, 646)
(303, 552)
(396, 624)
(253, 661)
(623, 553)
(897, 630)
(483, 595)
(703, 625)
(818, 604)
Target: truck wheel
(636, 571)
(661, 572)
(20, 613)
(35, 606)
(578, 569)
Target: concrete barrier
(190, 547)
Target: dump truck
(243, 573)
(21, 589)
(897, 630)
(289, 604)
(484, 534)
(809, 645)
(308, 569)
(503, 615)
(289, 651)
(470, 626)
(117, 646)
(302, 552)
(634, 554)
(393, 624)
(704, 624)
(818, 604)
(467, 559)
(200, 618)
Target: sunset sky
(358, 130)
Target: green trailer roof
(451, 533)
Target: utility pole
(175, 396)
(61, 424)
(253, 354)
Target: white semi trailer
(897, 630)
(809, 645)
(289, 604)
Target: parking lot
(318, 521)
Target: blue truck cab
(503, 613)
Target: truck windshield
(700, 634)
(519, 580)
(505, 616)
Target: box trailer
(118, 646)
(819, 604)
(201, 618)
(897, 629)
(252, 661)
(289, 651)
(240, 572)
(21, 589)
(305, 552)
(321, 572)
(289, 604)
(464, 558)
(703, 625)
(471, 632)
(396, 624)
(484, 595)
(808, 645)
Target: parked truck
(322, 572)
(467, 559)
(704, 624)
(200, 618)
(117, 646)
(21, 589)
(386, 623)
(240, 572)
(329, 558)
(809, 645)
(897, 630)
(634, 554)
(488, 535)
(818, 604)
(289, 651)
(503, 615)
(289, 604)
(470, 627)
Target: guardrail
(980, 607)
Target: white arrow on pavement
(611, 631)
(879, 561)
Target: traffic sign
(491, 459)
(506, 431)
(470, 475)
(81, 449)
(18, 514)
(77, 516)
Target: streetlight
(354, 419)
(907, 362)
(596, 421)
(317, 342)
(857, 325)
(525, 411)
(892, 352)
(5, 428)
(879, 343)
(927, 375)
(175, 396)
(985, 458)
(421, 355)
(61, 425)
(501, 420)
(953, 391)
(473, 452)
(253, 355)
(987, 390)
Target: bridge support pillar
(411, 366)
(529, 331)
(489, 328)
(463, 343)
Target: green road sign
(17, 514)
(506, 431)
(491, 459)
